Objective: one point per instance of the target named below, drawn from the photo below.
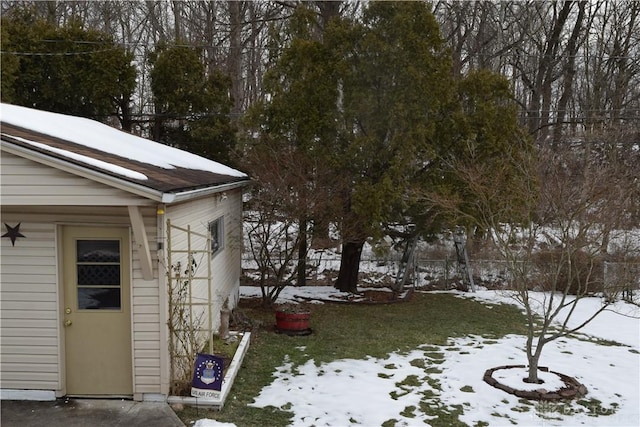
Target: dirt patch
(368, 296)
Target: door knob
(67, 322)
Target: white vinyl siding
(25, 182)
(41, 198)
(146, 319)
(226, 265)
(30, 311)
(29, 308)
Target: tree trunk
(532, 377)
(157, 125)
(569, 73)
(177, 19)
(234, 60)
(349, 267)
(302, 254)
(126, 118)
(534, 360)
(328, 10)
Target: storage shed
(95, 224)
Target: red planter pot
(294, 323)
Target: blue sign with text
(207, 375)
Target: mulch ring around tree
(367, 296)
(572, 388)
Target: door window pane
(98, 274)
(98, 251)
(99, 299)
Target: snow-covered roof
(96, 146)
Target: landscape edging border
(571, 390)
(229, 378)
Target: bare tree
(482, 35)
(273, 240)
(284, 200)
(608, 90)
(553, 237)
(573, 64)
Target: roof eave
(104, 178)
(182, 196)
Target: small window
(98, 271)
(216, 232)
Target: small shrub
(577, 274)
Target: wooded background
(378, 118)
(573, 64)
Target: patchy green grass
(356, 332)
(591, 407)
(410, 381)
(444, 416)
(522, 408)
(409, 412)
(418, 363)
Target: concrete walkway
(87, 413)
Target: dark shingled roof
(160, 179)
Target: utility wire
(197, 45)
(89, 52)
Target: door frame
(61, 257)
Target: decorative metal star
(13, 233)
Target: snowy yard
(403, 388)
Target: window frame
(84, 286)
(216, 235)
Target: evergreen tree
(10, 68)
(297, 121)
(487, 134)
(397, 96)
(191, 108)
(65, 69)
(374, 101)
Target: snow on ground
(402, 387)
(605, 325)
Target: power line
(89, 52)
(201, 45)
(581, 111)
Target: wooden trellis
(190, 309)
